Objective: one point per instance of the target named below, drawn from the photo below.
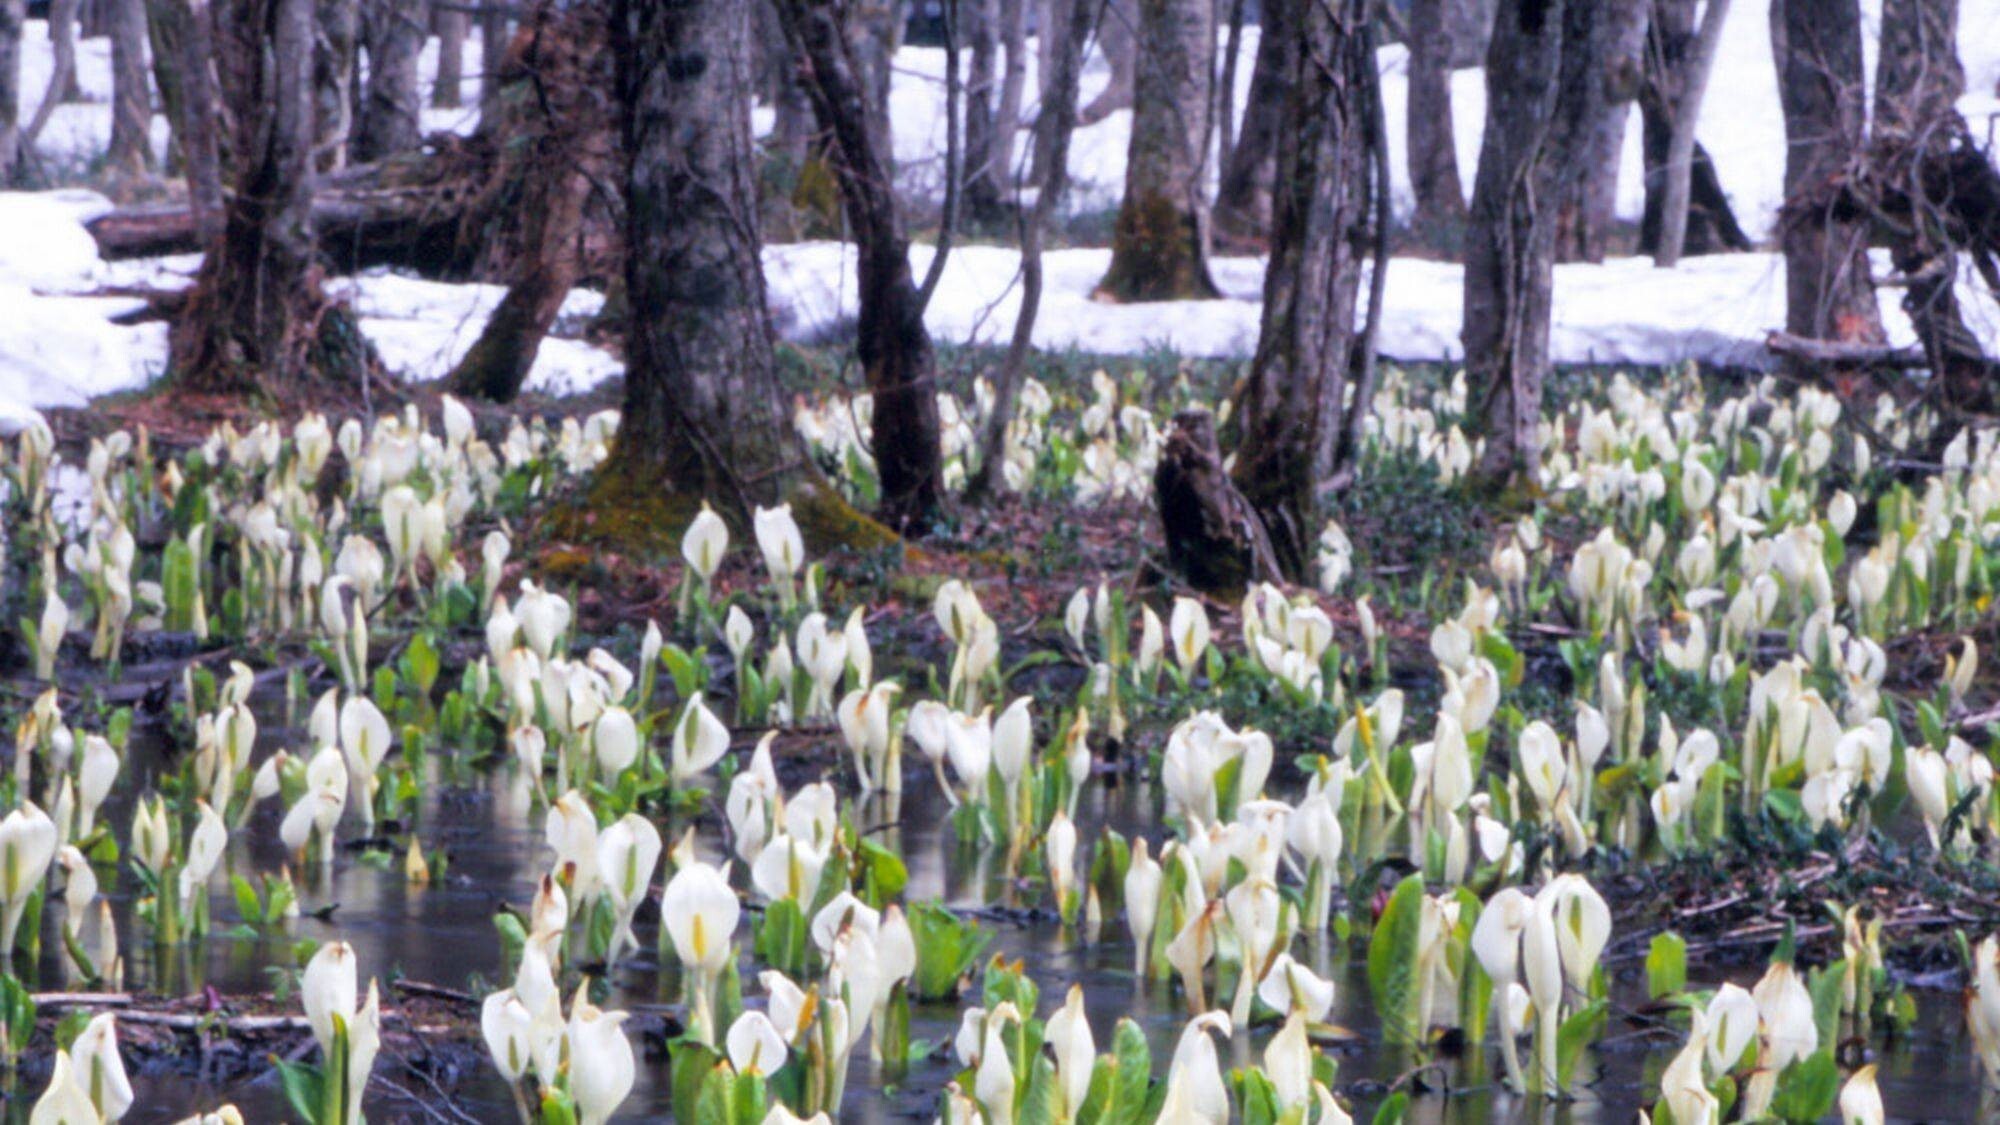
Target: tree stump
(1214, 538)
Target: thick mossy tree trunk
(257, 319)
(1292, 400)
(703, 414)
(1243, 193)
(892, 343)
(391, 118)
(557, 146)
(1924, 181)
(1510, 239)
(1431, 145)
(1829, 294)
(13, 16)
(1602, 71)
(1159, 247)
(1666, 96)
(131, 154)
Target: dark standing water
(443, 934)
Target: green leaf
(1043, 1103)
(1392, 960)
(1666, 965)
(1576, 1034)
(692, 1063)
(301, 1083)
(1807, 1089)
(883, 875)
(1393, 1110)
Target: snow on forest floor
(60, 347)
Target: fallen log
(1844, 353)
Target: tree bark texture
(892, 343)
(452, 24)
(1290, 408)
(1680, 141)
(1925, 169)
(334, 49)
(1243, 192)
(558, 145)
(1431, 147)
(1510, 239)
(13, 16)
(131, 153)
(1672, 41)
(391, 118)
(495, 29)
(62, 79)
(183, 51)
(1829, 294)
(1603, 41)
(1118, 39)
(1160, 245)
(257, 319)
(1215, 539)
(702, 413)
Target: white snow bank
(1714, 309)
(421, 329)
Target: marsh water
(443, 934)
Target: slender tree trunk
(1290, 406)
(1225, 93)
(494, 32)
(452, 24)
(1829, 294)
(131, 155)
(1052, 29)
(1680, 145)
(62, 80)
(13, 16)
(1243, 193)
(1054, 128)
(1117, 37)
(392, 106)
(62, 39)
(1431, 147)
(982, 89)
(1000, 173)
(338, 38)
(256, 317)
(1601, 75)
(703, 412)
(1915, 155)
(892, 344)
(1711, 223)
(1159, 248)
(560, 145)
(1510, 238)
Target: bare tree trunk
(1510, 240)
(1680, 147)
(62, 80)
(982, 29)
(495, 29)
(1053, 28)
(1829, 294)
(392, 106)
(1215, 539)
(893, 345)
(130, 156)
(338, 38)
(1054, 128)
(1601, 75)
(703, 412)
(452, 24)
(1243, 193)
(1000, 173)
(1225, 94)
(182, 53)
(1671, 43)
(559, 146)
(1431, 147)
(13, 15)
(1289, 409)
(1922, 188)
(256, 318)
(1159, 249)
(1117, 37)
